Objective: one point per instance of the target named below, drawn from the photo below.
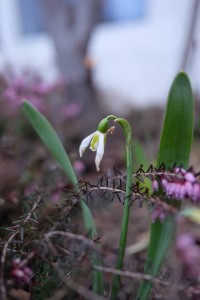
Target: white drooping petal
(85, 143)
(100, 150)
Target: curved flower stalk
(125, 219)
(97, 140)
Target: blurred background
(130, 49)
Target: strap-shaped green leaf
(175, 145)
(177, 132)
(51, 140)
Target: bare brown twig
(59, 295)
(26, 260)
(83, 291)
(137, 276)
(79, 237)
(80, 289)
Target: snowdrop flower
(97, 141)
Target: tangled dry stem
(4, 251)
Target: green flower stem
(125, 219)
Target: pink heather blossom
(189, 188)
(29, 87)
(155, 185)
(171, 188)
(164, 183)
(188, 253)
(79, 167)
(190, 177)
(72, 110)
(196, 192)
(182, 192)
(180, 171)
(55, 197)
(42, 89)
(158, 213)
(21, 274)
(184, 185)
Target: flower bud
(190, 177)
(155, 185)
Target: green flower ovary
(103, 126)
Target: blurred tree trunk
(70, 23)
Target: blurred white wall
(32, 51)
(135, 62)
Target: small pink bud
(158, 214)
(17, 273)
(190, 177)
(189, 254)
(184, 241)
(164, 182)
(182, 192)
(189, 189)
(16, 262)
(155, 185)
(79, 167)
(196, 192)
(170, 190)
(27, 271)
(177, 190)
(179, 170)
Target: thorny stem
(125, 219)
(152, 199)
